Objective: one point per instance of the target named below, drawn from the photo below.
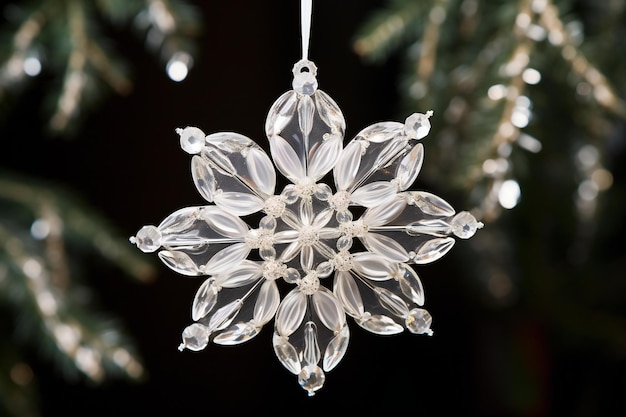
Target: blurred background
(528, 133)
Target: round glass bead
(195, 337)
(267, 252)
(323, 192)
(311, 378)
(417, 125)
(305, 83)
(191, 140)
(344, 243)
(267, 224)
(148, 239)
(292, 276)
(418, 321)
(344, 216)
(324, 269)
(464, 225)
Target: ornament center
(340, 201)
(343, 261)
(309, 284)
(274, 206)
(308, 236)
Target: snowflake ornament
(344, 251)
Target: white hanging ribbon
(306, 8)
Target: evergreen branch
(478, 88)
(119, 11)
(117, 80)
(603, 92)
(506, 133)
(56, 325)
(11, 71)
(75, 74)
(386, 29)
(170, 23)
(171, 29)
(64, 213)
(48, 301)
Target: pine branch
(484, 89)
(68, 31)
(40, 231)
(527, 96)
(386, 29)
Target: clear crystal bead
(324, 269)
(464, 225)
(418, 321)
(417, 125)
(304, 81)
(311, 378)
(292, 276)
(191, 139)
(344, 243)
(336, 349)
(195, 337)
(267, 252)
(267, 224)
(286, 353)
(433, 249)
(148, 239)
(344, 216)
(205, 299)
(380, 324)
(323, 192)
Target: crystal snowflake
(345, 252)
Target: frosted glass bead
(305, 84)
(323, 192)
(148, 239)
(267, 224)
(344, 243)
(292, 276)
(267, 303)
(195, 337)
(205, 299)
(191, 139)
(429, 203)
(324, 269)
(311, 378)
(267, 253)
(418, 321)
(464, 225)
(417, 125)
(304, 81)
(344, 216)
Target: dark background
(127, 164)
